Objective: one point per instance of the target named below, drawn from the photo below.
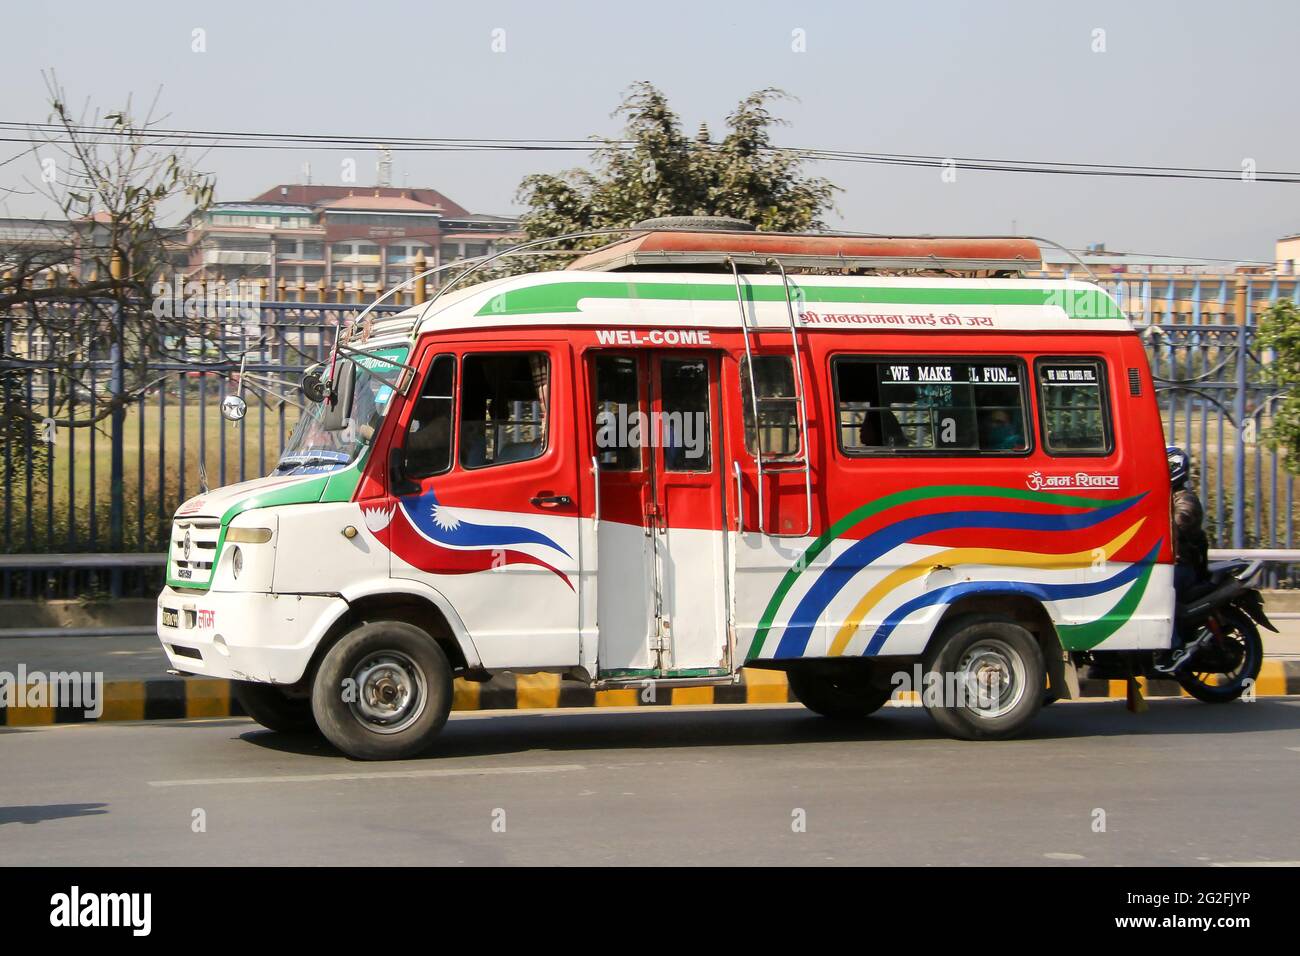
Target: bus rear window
(917, 406)
(1075, 411)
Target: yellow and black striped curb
(174, 698)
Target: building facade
(320, 237)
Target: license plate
(171, 617)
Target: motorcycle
(1224, 652)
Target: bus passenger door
(662, 591)
(690, 527)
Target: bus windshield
(313, 449)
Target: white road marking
(1260, 863)
(373, 775)
(1064, 856)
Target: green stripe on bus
(1077, 303)
(1083, 637)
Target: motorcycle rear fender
(1252, 602)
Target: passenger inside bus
(881, 429)
(1001, 429)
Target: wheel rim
(1228, 678)
(990, 678)
(389, 692)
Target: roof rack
(821, 252)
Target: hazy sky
(1179, 84)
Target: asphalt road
(1184, 784)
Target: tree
(86, 290)
(82, 288)
(1279, 330)
(655, 170)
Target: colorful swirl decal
(1044, 530)
(436, 539)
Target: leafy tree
(1279, 330)
(89, 291)
(656, 170)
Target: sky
(1175, 84)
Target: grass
(156, 477)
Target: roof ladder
(802, 463)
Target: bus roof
(710, 300)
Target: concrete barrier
(174, 698)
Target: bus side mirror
(339, 399)
(399, 484)
(313, 384)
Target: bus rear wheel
(275, 710)
(838, 696)
(984, 679)
(383, 691)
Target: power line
(225, 139)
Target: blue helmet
(1180, 465)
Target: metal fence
(112, 488)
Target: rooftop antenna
(385, 166)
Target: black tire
(275, 710)
(1196, 684)
(1006, 650)
(840, 697)
(383, 691)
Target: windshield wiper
(302, 461)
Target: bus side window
(428, 436)
(503, 408)
(616, 400)
(1075, 411)
(777, 433)
(914, 405)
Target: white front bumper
(245, 636)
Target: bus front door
(661, 577)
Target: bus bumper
(244, 635)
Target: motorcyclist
(1191, 546)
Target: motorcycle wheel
(1220, 688)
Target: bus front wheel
(383, 692)
(984, 679)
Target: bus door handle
(653, 517)
(550, 501)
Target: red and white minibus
(865, 462)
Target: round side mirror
(233, 408)
(313, 384)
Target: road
(1183, 784)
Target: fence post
(1239, 413)
(117, 483)
(421, 284)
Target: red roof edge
(941, 251)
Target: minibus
(879, 465)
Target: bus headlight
(247, 561)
